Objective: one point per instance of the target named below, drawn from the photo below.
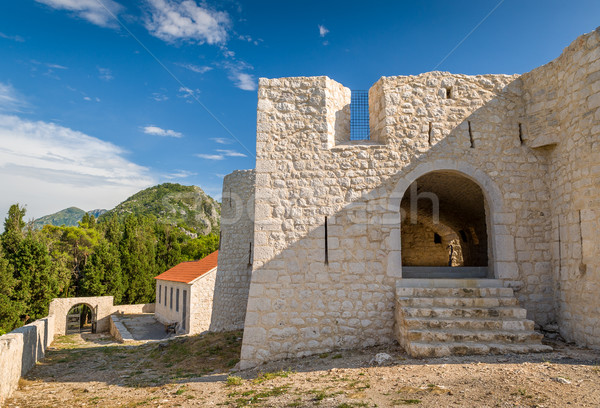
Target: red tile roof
(188, 271)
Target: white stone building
(333, 243)
(184, 295)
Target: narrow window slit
(449, 92)
(326, 245)
(437, 239)
(250, 255)
(521, 133)
(430, 133)
(471, 136)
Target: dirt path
(196, 371)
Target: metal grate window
(359, 115)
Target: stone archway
(101, 305)
(443, 227)
(501, 257)
(81, 318)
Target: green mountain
(69, 217)
(174, 204)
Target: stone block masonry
(20, 350)
(530, 143)
(236, 251)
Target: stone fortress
(472, 197)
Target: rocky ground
(198, 371)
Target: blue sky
(101, 98)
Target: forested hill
(188, 207)
(68, 217)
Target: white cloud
(189, 94)
(243, 80)
(156, 131)
(87, 98)
(221, 140)
(180, 174)
(10, 99)
(211, 156)
(50, 167)
(16, 38)
(221, 154)
(105, 74)
(56, 66)
(196, 68)
(172, 20)
(323, 31)
(99, 12)
(231, 153)
(159, 97)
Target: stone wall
(235, 252)
(201, 307)
(20, 350)
(134, 309)
(169, 306)
(563, 109)
(118, 330)
(419, 248)
(102, 306)
(200, 294)
(467, 125)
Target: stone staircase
(442, 317)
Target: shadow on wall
(301, 304)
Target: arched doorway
(81, 318)
(444, 227)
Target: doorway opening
(81, 318)
(444, 231)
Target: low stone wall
(134, 309)
(20, 350)
(118, 329)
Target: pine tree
(138, 259)
(10, 309)
(102, 275)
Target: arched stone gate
(101, 305)
(501, 247)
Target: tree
(138, 259)
(168, 246)
(73, 245)
(37, 284)
(200, 247)
(10, 309)
(102, 275)
(13, 230)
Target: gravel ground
(198, 371)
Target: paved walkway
(143, 327)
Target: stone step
(469, 324)
(419, 349)
(454, 292)
(470, 312)
(480, 302)
(473, 336)
(449, 283)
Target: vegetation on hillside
(117, 256)
(187, 207)
(69, 217)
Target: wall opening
(451, 208)
(359, 116)
(448, 92)
(81, 319)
